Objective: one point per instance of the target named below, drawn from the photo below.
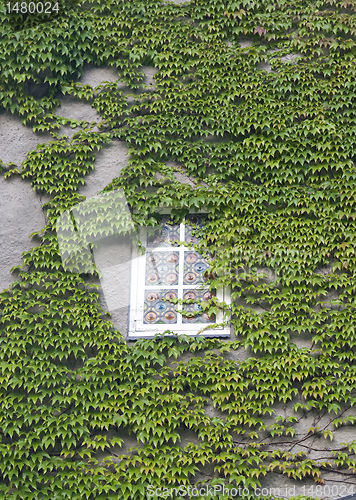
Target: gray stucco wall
(21, 208)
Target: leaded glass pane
(193, 223)
(162, 268)
(157, 310)
(197, 295)
(163, 234)
(195, 266)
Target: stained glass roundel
(156, 309)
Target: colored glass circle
(160, 306)
(165, 232)
(192, 239)
(152, 296)
(169, 315)
(190, 296)
(151, 316)
(172, 258)
(170, 295)
(162, 268)
(152, 278)
(190, 258)
(190, 277)
(153, 259)
(171, 277)
(200, 267)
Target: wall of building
(21, 213)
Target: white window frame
(137, 328)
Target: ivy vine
(272, 155)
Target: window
(171, 271)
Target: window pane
(163, 234)
(157, 310)
(197, 295)
(162, 268)
(195, 266)
(193, 223)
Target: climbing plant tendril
(272, 155)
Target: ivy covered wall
(251, 116)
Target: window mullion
(181, 270)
